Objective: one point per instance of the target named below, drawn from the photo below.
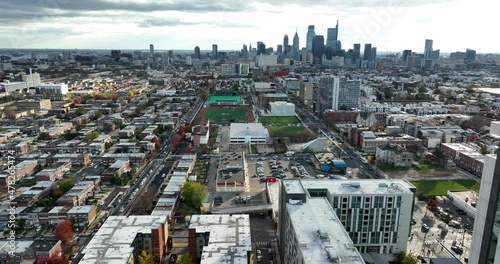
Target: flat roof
(230, 240)
(293, 187)
(360, 186)
(248, 129)
(113, 243)
(320, 235)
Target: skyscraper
(152, 52)
(332, 36)
(296, 43)
(318, 47)
(406, 53)
(197, 54)
(356, 53)
(215, 52)
(367, 54)
(428, 49)
(261, 48)
(486, 232)
(285, 44)
(335, 93)
(310, 36)
(374, 54)
(279, 49)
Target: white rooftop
(365, 186)
(113, 243)
(320, 235)
(229, 241)
(248, 129)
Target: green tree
(484, 150)
(66, 184)
(92, 136)
(407, 258)
(438, 158)
(185, 259)
(194, 193)
(80, 111)
(145, 258)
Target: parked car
(425, 228)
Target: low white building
(51, 88)
(282, 109)
(248, 133)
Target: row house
(369, 142)
(395, 155)
(465, 155)
(127, 132)
(332, 117)
(28, 251)
(117, 168)
(39, 191)
(56, 131)
(134, 158)
(54, 172)
(200, 133)
(18, 171)
(78, 194)
(76, 159)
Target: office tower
(318, 48)
(470, 55)
(435, 54)
(296, 43)
(303, 55)
(335, 93)
(332, 37)
(310, 231)
(197, 53)
(215, 52)
(285, 43)
(356, 53)
(367, 54)
(261, 48)
(374, 54)
(428, 49)
(152, 52)
(406, 53)
(413, 61)
(279, 49)
(486, 232)
(310, 36)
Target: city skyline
(100, 24)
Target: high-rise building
(406, 53)
(197, 54)
(311, 221)
(332, 37)
(435, 54)
(367, 54)
(152, 52)
(296, 43)
(114, 54)
(279, 49)
(428, 49)
(215, 52)
(485, 246)
(68, 56)
(374, 54)
(285, 44)
(261, 48)
(310, 36)
(356, 53)
(470, 55)
(318, 48)
(335, 93)
(376, 214)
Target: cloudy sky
(390, 25)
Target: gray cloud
(335, 4)
(164, 22)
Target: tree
(92, 136)
(484, 150)
(66, 184)
(78, 100)
(156, 142)
(432, 205)
(407, 258)
(145, 258)
(188, 149)
(131, 94)
(9, 113)
(194, 193)
(64, 231)
(81, 111)
(185, 259)
(69, 95)
(206, 149)
(438, 158)
(54, 259)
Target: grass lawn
(253, 149)
(214, 130)
(283, 131)
(226, 114)
(440, 187)
(278, 120)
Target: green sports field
(441, 187)
(285, 131)
(225, 114)
(278, 120)
(215, 98)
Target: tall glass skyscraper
(285, 44)
(428, 49)
(310, 36)
(296, 43)
(332, 37)
(367, 54)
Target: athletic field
(213, 99)
(227, 114)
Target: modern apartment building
(484, 246)
(376, 214)
(310, 231)
(337, 93)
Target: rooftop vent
(332, 254)
(355, 185)
(382, 185)
(323, 236)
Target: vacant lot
(287, 131)
(278, 120)
(441, 187)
